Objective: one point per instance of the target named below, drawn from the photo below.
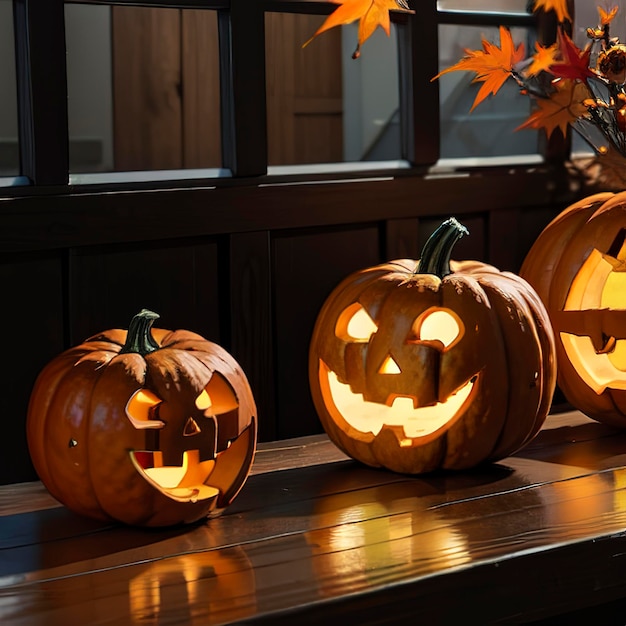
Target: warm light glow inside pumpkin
(600, 284)
(187, 480)
(435, 325)
(366, 416)
(439, 325)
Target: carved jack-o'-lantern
(149, 427)
(578, 267)
(415, 366)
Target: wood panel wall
(256, 292)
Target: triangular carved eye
(355, 324)
(191, 428)
(436, 324)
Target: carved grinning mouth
(416, 422)
(183, 483)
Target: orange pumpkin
(577, 265)
(415, 366)
(148, 426)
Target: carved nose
(191, 428)
(389, 366)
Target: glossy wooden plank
(306, 541)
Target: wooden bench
(315, 535)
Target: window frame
(42, 79)
(236, 203)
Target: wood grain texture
(147, 88)
(304, 91)
(201, 89)
(179, 282)
(314, 535)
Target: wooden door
(166, 90)
(304, 91)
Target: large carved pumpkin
(148, 426)
(577, 265)
(416, 366)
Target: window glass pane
(322, 105)
(143, 88)
(489, 130)
(9, 152)
(501, 6)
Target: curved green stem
(139, 338)
(436, 253)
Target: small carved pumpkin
(415, 366)
(149, 427)
(577, 265)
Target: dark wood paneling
(89, 218)
(179, 282)
(32, 318)
(307, 267)
(250, 284)
(402, 239)
(503, 242)
(257, 293)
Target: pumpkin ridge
(83, 437)
(36, 420)
(422, 335)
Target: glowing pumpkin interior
(436, 326)
(187, 481)
(593, 321)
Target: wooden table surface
(315, 535)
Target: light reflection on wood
(301, 538)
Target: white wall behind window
(90, 106)
(370, 89)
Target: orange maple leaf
(606, 17)
(371, 13)
(542, 59)
(564, 106)
(492, 65)
(558, 6)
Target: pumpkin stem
(436, 253)
(139, 338)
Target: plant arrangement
(579, 88)
(571, 87)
